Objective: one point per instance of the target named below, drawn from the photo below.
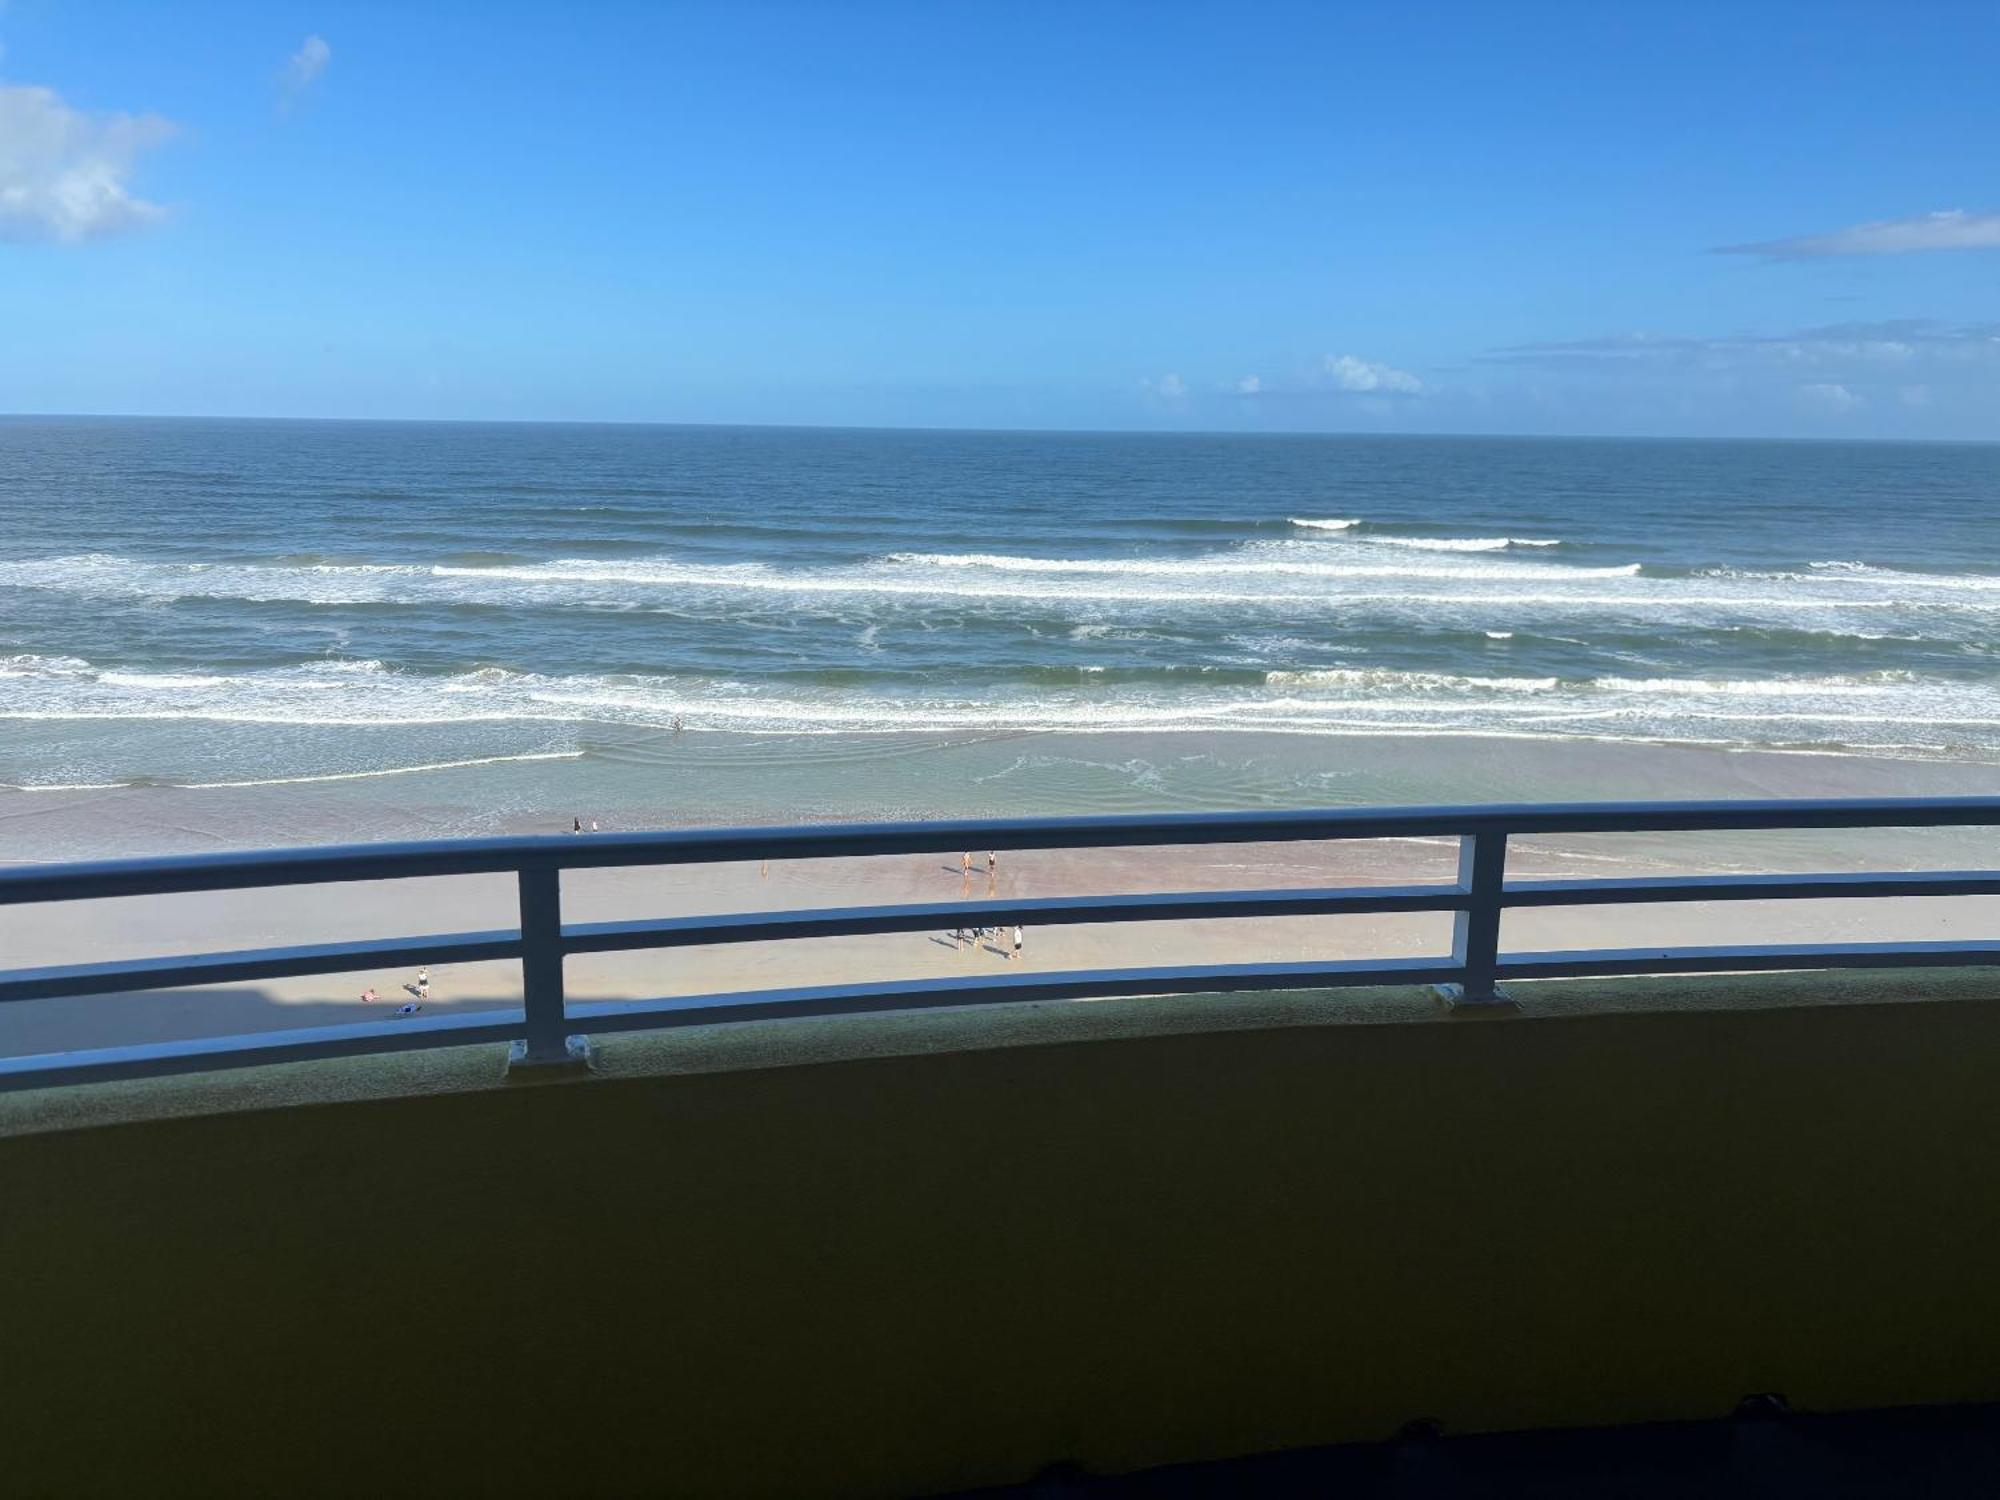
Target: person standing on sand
(965, 863)
(593, 825)
(992, 864)
(424, 984)
(576, 825)
(1015, 956)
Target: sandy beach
(137, 927)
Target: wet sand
(631, 780)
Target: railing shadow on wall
(548, 1030)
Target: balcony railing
(542, 1030)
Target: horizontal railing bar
(1749, 888)
(308, 1043)
(1609, 962)
(1004, 989)
(236, 871)
(125, 975)
(1047, 911)
(157, 1059)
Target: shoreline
(715, 778)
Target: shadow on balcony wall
(797, 1260)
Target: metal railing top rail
(540, 1030)
(169, 874)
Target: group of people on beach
(961, 937)
(994, 936)
(420, 987)
(576, 825)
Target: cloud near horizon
(1369, 377)
(1952, 229)
(64, 174)
(1830, 396)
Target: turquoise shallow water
(193, 603)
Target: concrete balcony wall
(902, 1255)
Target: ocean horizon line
(922, 429)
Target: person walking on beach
(992, 864)
(424, 984)
(593, 825)
(1015, 956)
(965, 863)
(576, 825)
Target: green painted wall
(899, 1274)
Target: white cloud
(64, 173)
(1249, 385)
(1829, 396)
(1352, 374)
(1953, 229)
(1170, 387)
(305, 65)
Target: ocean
(222, 603)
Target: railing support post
(545, 1046)
(1475, 931)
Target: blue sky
(1685, 219)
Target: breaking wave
(1843, 711)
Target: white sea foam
(660, 582)
(1425, 543)
(28, 664)
(159, 681)
(1273, 606)
(302, 780)
(1406, 681)
(1783, 687)
(1309, 564)
(1317, 700)
(1461, 543)
(435, 765)
(1265, 578)
(1871, 575)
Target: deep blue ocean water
(204, 601)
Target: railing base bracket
(574, 1063)
(1499, 1003)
